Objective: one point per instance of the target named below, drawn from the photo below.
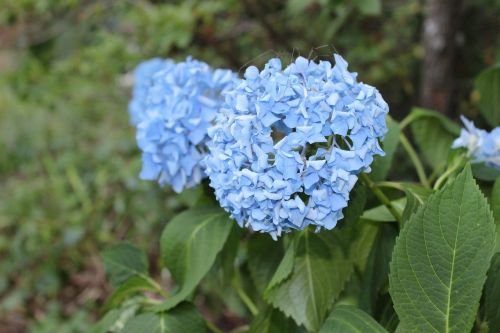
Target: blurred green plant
(68, 161)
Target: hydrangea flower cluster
(288, 144)
(172, 107)
(143, 75)
(482, 146)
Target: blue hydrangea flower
(176, 107)
(482, 146)
(288, 144)
(143, 75)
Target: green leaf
(412, 203)
(441, 257)
(183, 318)
(131, 286)
(484, 172)
(434, 134)
(375, 275)
(306, 289)
(349, 319)
(116, 319)
(284, 269)
(361, 244)
(495, 206)
(488, 85)
(227, 255)
(369, 7)
(382, 214)
(264, 256)
(271, 321)
(124, 261)
(189, 245)
(492, 295)
(382, 164)
(347, 229)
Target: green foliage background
(68, 160)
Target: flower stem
(381, 196)
(243, 295)
(212, 327)
(414, 158)
(451, 169)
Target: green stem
(414, 158)
(158, 288)
(381, 196)
(213, 328)
(454, 167)
(406, 121)
(243, 295)
(394, 185)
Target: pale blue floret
(482, 146)
(288, 144)
(176, 103)
(143, 75)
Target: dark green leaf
(375, 275)
(382, 164)
(441, 257)
(484, 172)
(361, 244)
(495, 206)
(434, 134)
(189, 245)
(412, 203)
(346, 229)
(124, 261)
(284, 269)
(488, 85)
(264, 257)
(492, 295)
(306, 288)
(183, 318)
(349, 319)
(227, 255)
(271, 320)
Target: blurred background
(68, 159)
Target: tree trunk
(438, 38)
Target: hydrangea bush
(306, 151)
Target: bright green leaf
(441, 257)
(349, 319)
(189, 245)
(124, 261)
(488, 85)
(382, 214)
(320, 270)
(492, 295)
(183, 318)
